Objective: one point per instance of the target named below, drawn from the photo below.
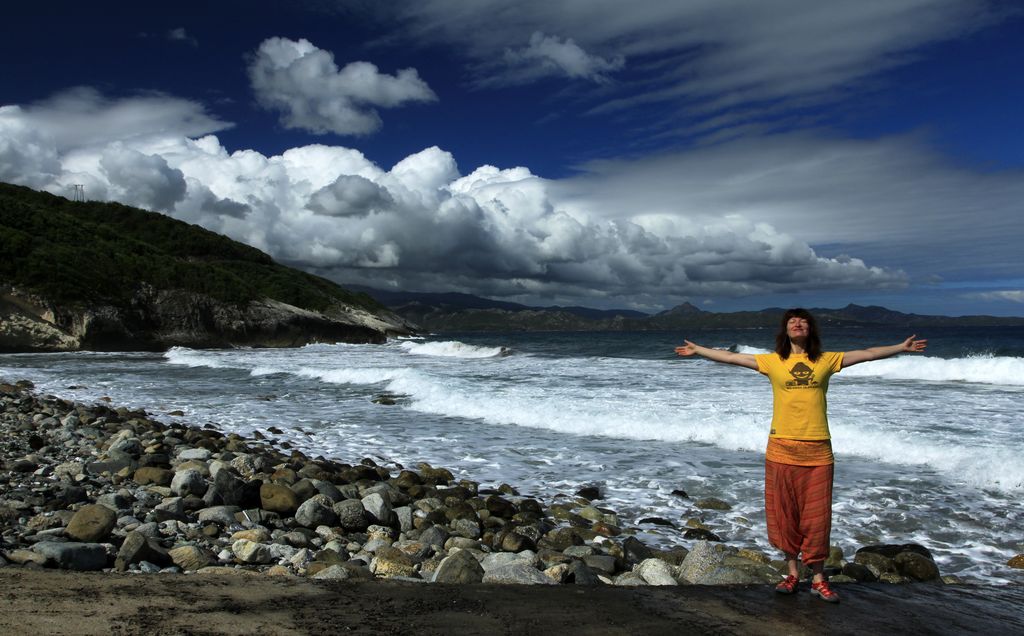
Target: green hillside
(92, 252)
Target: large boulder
(517, 573)
(91, 523)
(73, 555)
(188, 482)
(916, 566)
(459, 567)
(656, 572)
(316, 511)
(136, 548)
(703, 559)
(279, 498)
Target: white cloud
(780, 214)
(303, 84)
(551, 56)
(81, 116)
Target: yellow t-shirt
(799, 386)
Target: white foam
(982, 368)
(452, 349)
(192, 358)
(659, 401)
(741, 348)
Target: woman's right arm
(718, 355)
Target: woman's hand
(688, 349)
(911, 345)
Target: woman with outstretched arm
(798, 460)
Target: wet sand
(58, 602)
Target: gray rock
(224, 515)
(328, 489)
(91, 523)
(73, 555)
(333, 573)
(656, 572)
(378, 508)
(435, 536)
(200, 454)
(113, 500)
(404, 515)
(466, 528)
(498, 560)
(702, 560)
(601, 563)
(517, 573)
(459, 567)
(580, 574)
(188, 482)
(630, 579)
(230, 490)
(138, 547)
(351, 514)
(578, 551)
(316, 511)
(726, 575)
(248, 551)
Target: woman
(798, 461)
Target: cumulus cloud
(788, 213)
(303, 84)
(144, 179)
(27, 155)
(547, 55)
(350, 195)
(709, 57)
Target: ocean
(929, 448)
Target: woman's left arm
(910, 345)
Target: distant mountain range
(465, 312)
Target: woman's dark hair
(813, 347)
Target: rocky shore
(98, 488)
(91, 487)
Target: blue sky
(733, 154)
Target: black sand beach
(56, 602)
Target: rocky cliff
(98, 276)
(159, 319)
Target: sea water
(929, 447)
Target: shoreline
(157, 479)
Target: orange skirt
(798, 507)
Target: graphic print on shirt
(803, 377)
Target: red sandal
(824, 592)
(788, 585)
